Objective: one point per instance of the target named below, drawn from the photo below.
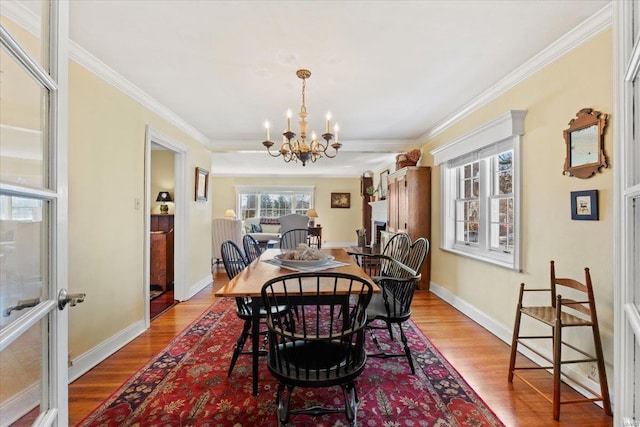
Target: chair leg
(239, 345)
(557, 365)
(350, 403)
(390, 329)
(602, 373)
(283, 406)
(516, 334)
(407, 350)
(374, 338)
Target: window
(14, 208)
(481, 192)
(272, 201)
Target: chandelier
(300, 149)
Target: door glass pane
(28, 24)
(634, 212)
(634, 286)
(23, 125)
(23, 264)
(633, 148)
(21, 364)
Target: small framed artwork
(584, 205)
(340, 200)
(384, 175)
(202, 184)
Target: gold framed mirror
(585, 144)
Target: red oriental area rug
(186, 384)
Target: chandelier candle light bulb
(300, 149)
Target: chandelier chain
(304, 86)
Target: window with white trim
(481, 192)
(273, 201)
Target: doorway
(161, 256)
(165, 204)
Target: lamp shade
(164, 196)
(311, 213)
(229, 213)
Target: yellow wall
(552, 97)
(338, 225)
(106, 232)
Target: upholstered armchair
(293, 221)
(224, 229)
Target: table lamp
(164, 196)
(229, 213)
(312, 214)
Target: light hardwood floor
(481, 358)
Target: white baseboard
(17, 406)
(200, 285)
(470, 311)
(86, 361)
(506, 334)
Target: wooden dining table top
(248, 283)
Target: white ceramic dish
(304, 263)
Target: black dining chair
(252, 249)
(393, 304)
(292, 238)
(374, 265)
(234, 262)
(323, 344)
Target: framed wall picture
(202, 184)
(340, 200)
(384, 175)
(584, 205)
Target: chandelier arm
(273, 155)
(268, 144)
(331, 156)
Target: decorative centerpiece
(408, 159)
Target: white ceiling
(389, 71)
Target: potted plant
(371, 191)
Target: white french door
(627, 214)
(33, 212)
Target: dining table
(249, 282)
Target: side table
(315, 234)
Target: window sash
(484, 208)
(273, 202)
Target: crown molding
(591, 27)
(106, 73)
(588, 29)
(19, 14)
(28, 20)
